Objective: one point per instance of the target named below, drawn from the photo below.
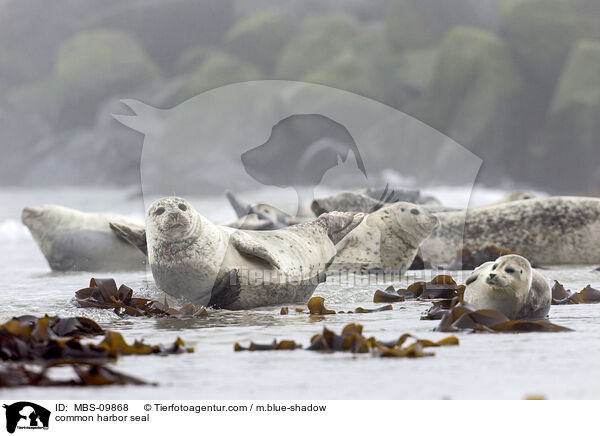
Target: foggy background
(517, 82)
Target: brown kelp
(53, 341)
(459, 316)
(351, 340)
(104, 294)
(560, 295)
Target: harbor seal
(218, 266)
(369, 200)
(511, 286)
(261, 216)
(387, 239)
(78, 241)
(547, 231)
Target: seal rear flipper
(339, 224)
(132, 234)
(240, 208)
(225, 292)
(247, 245)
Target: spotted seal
(219, 266)
(547, 231)
(511, 286)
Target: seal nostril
(492, 275)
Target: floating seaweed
(88, 374)
(282, 345)
(352, 340)
(419, 264)
(461, 317)
(316, 306)
(560, 295)
(379, 309)
(28, 338)
(442, 286)
(53, 341)
(104, 294)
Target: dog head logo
(26, 415)
(290, 136)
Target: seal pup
(72, 240)
(547, 231)
(511, 286)
(387, 239)
(218, 266)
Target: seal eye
(182, 207)
(159, 211)
(509, 270)
(415, 212)
(494, 267)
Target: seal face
(220, 266)
(72, 240)
(511, 286)
(387, 239)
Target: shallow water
(498, 366)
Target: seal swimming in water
(78, 241)
(511, 286)
(218, 266)
(547, 231)
(387, 239)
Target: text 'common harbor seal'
(511, 286)
(219, 266)
(78, 241)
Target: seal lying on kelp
(511, 286)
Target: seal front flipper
(247, 245)
(134, 235)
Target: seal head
(502, 285)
